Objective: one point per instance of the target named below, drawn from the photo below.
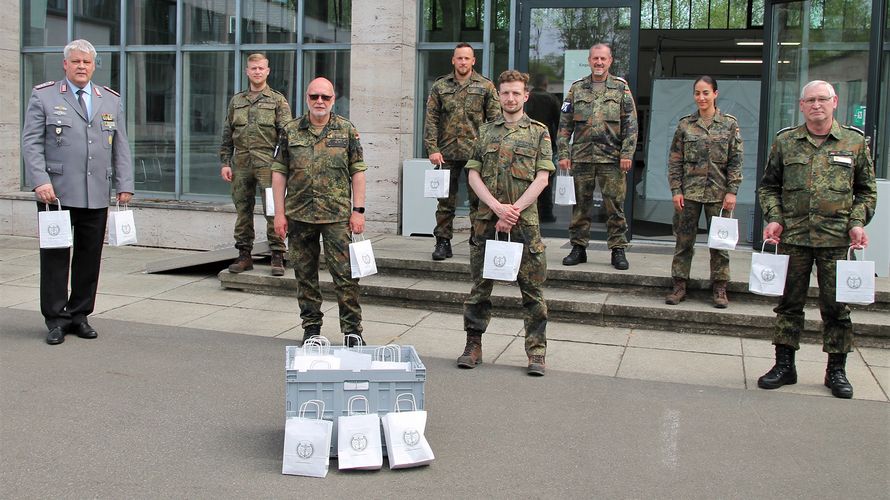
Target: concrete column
(10, 89)
(382, 90)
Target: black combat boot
(619, 261)
(472, 355)
(309, 332)
(577, 256)
(784, 371)
(277, 263)
(353, 339)
(244, 262)
(836, 376)
(442, 250)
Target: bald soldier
(322, 166)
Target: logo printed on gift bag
(53, 229)
(499, 260)
(434, 183)
(366, 259)
(305, 449)
(126, 229)
(411, 437)
(359, 442)
(854, 281)
(767, 275)
(723, 234)
(562, 190)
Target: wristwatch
(360, 210)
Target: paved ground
(173, 400)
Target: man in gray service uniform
(75, 149)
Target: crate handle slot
(356, 385)
(353, 399)
(319, 408)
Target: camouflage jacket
(601, 124)
(818, 193)
(706, 163)
(319, 169)
(253, 127)
(508, 160)
(454, 113)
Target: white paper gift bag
(389, 357)
(55, 227)
(724, 232)
(359, 445)
(361, 258)
(502, 259)
(436, 183)
(855, 280)
(270, 202)
(121, 227)
(406, 444)
(315, 355)
(768, 271)
(565, 189)
(352, 358)
(307, 442)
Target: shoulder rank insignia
(44, 85)
(111, 90)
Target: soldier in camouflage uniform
(704, 172)
(458, 104)
(600, 117)
(817, 194)
(510, 166)
(322, 166)
(253, 125)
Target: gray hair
(82, 46)
(815, 83)
(601, 46)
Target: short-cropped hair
(81, 45)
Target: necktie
(83, 104)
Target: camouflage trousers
(446, 208)
(686, 230)
(837, 328)
(614, 187)
(532, 275)
(304, 253)
(245, 181)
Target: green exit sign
(859, 116)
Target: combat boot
(784, 371)
(244, 262)
(353, 339)
(536, 365)
(277, 263)
(578, 255)
(442, 250)
(679, 293)
(720, 298)
(472, 355)
(836, 376)
(619, 261)
(309, 332)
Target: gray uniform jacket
(81, 158)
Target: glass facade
(883, 155)
(183, 61)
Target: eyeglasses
(323, 97)
(820, 99)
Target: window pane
(269, 22)
(500, 38)
(44, 22)
(757, 13)
(681, 14)
(327, 21)
(98, 22)
(208, 21)
(333, 65)
(151, 22)
(151, 124)
(39, 68)
(646, 15)
(882, 165)
(445, 21)
(738, 14)
(206, 90)
(700, 14)
(719, 11)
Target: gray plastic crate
(335, 387)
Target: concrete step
(627, 301)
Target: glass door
(553, 43)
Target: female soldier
(704, 171)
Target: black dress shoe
(55, 336)
(83, 330)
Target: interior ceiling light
(748, 61)
(759, 43)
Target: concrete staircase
(592, 293)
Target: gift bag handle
(319, 408)
(322, 362)
(721, 213)
(58, 204)
(407, 397)
(359, 341)
(496, 236)
(318, 344)
(357, 234)
(763, 246)
(395, 349)
(855, 247)
(350, 412)
(117, 205)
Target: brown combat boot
(277, 263)
(536, 365)
(720, 298)
(244, 262)
(472, 355)
(679, 293)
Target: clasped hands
(508, 216)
